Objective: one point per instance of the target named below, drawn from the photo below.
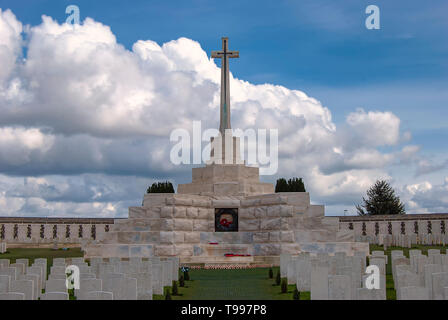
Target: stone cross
(224, 54)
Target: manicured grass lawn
(250, 284)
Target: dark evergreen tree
(292, 185)
(271, 273)
(181, 281)
(296, 185)
(284, 285)
(174, 288)
(296, 295)
(168, 294)
(277, 278)
(381, 199)
(161, 187)
(281, 185)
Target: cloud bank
(85, 124)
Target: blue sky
(320, 47)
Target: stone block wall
(395, 225)
(41, 231)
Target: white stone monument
(225, 215)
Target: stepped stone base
(183, 224)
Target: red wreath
(225, 223)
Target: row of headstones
(3, 247)
(336, 277)
(404, 240)
(419, 277)
(150, 276)
(102, 280)
(20, 281)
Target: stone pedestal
(183, 224)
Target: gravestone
(303, 273)
(55, 296)
(380, 254)
(339, 287)
(57, 270)
(85, 276)
(86, 286)
(55, 285)
(369, 294)
(429, 269)
(12, 296)
(144, 285)
(36, 283)
(99, 295)
(5, 283)
(20, 268)
(380, 263)
(9, 271)
(59, 262)
(291, 273)
(57, 276)
(122, 288)
(319, 283)
(413, 293)
(77, 261)
(42, 262)
(38, 269)
(167, 272)
(415, 252)
(156, 276)
(4, 263)
(23, 286)
(25, 262)
(439, 282)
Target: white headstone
(122, 288)
(99, 295)
(55, 296)
(59, 262)
(5, 283)
(439, 282)
(23, 286)
(429, 270)
(413, 293)
(319, 283)
(284, 259)
(303, 273)
(369, 294)
(4, 263)
(55, 285)
(380, 263)
(9, 271)
(36, 283)
(12, 296)
(86, 286)
(339, 287)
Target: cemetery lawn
(390, 290)
(243, 284)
